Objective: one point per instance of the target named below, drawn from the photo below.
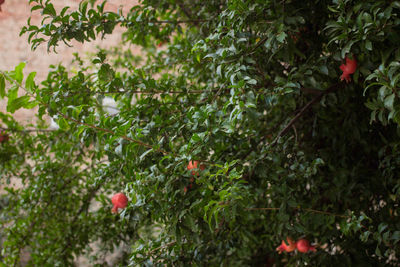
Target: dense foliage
(252, 90)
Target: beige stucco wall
(15, 49)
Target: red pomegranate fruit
(289, 247)
(120, 201)
(193, 165)
(303, 246)
(348, 68)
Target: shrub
(253, 89)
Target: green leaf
(30, 83)
(31, 104)
(378, 252)
(145, 154)
(63, 123)
(395, 236)
(382, 227)
(18, 103)
(18, 72)
(106, 73)
(346, 49)
(2, 86)
(281, 37)
(36, 8)
(49, 10)
(368, 45)
(389, 101)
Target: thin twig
(262, 209)
(156, 92)
(26, 130)
(194, 21)
(112, 133)
(163, 246)
(295, 132)
(325, 212)
(185, 10)
(159, 248)
(262, 41)
(305, 209)
(303, 111)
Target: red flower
(288, 248)
(120, 201)
(348, 68)
(304, 246)
(193, 165)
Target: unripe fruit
(303, 246)
(289, 247)
(120, 201)
(193, 165)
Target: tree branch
(305, 209)
(194, 21)
(26, 130)
(113, 133)
(187, 12)
(146, 92)
(252, 50)
(303, 111)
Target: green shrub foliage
(249, 88)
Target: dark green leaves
(49, 10)
(105, 73)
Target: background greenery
(252, 90)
